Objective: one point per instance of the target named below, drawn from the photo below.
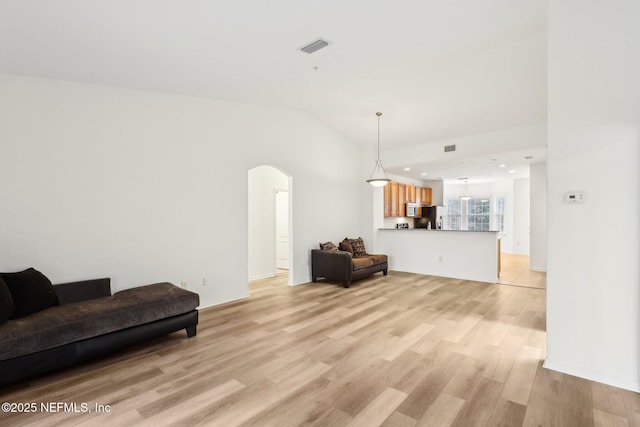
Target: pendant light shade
(378, 176)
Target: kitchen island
(460, 254)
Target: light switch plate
(573, 197)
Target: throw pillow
(329, 246)
(358, 247)
(345, 245)
(31, 292)
(6, 302)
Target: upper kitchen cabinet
(402, 198)
(387, 200)
(425, 196)
(397, 195)
(391, 199)
(410, 193)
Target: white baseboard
(540, 269)
(485, 279)
(261, 276)
(626, 383)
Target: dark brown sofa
(88, 321)
(343, 265)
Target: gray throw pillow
(328, 246)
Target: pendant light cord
(378, 114)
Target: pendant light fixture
(378, 177)
(466, 194)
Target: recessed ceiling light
(503, 165)
(512, 171)
(407, 169)
(423, 174)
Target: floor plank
(514, 270)
(400, 350)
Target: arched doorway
(269, 223)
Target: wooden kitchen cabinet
(393, 201)
(402, 199)
(410, 193)
(425, 195)
(387, 200)
(397, 195)
(393, 188)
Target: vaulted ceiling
(437, 70)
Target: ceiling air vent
(314, 46)
(448, 148)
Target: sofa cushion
(378, 258)
(6, 302)
(76, 321)
(345, 245)
(360, 263)
(31, 292)
(358, 247)
(328, 246)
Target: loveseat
(86, 321)
(347, 262)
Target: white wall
(437, 191)
(263, 182)
(593, 274)
(468, 255)
(538, 217)
(146, 187)
(505, 187)
(521, 214)
(454, 191)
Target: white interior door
(282, 229)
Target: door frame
(276, 190)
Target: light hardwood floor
(514, 270)
(402, 350)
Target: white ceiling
(438, 70)
(487, 168)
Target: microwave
(412, 209)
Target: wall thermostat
(575, 197)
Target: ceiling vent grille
(314, 46)
(448, 148)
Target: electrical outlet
(440, 258)
(183, 284)
(205, 282)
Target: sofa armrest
(331, 264)
(83, 290)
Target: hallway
(514, 270)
